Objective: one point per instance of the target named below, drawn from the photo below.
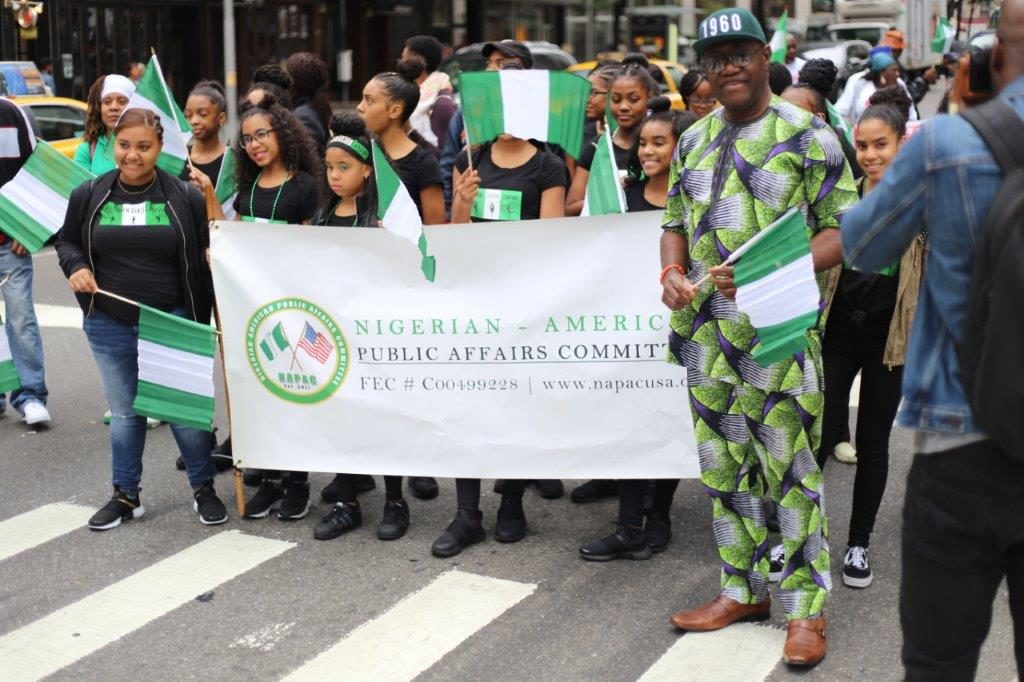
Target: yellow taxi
(58, 120)
(672, 77)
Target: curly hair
(272, 73)
(309, 78)
(94, 126)
(819, 74)
(293, 142)
(269, 88)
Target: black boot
(423, 487)
(511, 523)
(550, 488)
(624, 543)
(464, 530)
(395, 521)
(658, 530)
(594, 490)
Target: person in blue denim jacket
(963, 526)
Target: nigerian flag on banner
(604, 188)
(547, 106)
(944, 34)
(33, 203)
(274, 342)
(152, 93)
(175, 369)
(779, 39)
(776, 287)
(226, 184)
(8, 375)
(397, 211)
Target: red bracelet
(665, 271)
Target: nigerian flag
(152, 93)
(33, 203)
(944, 34)
(779, 41)
(8, 375)
(547, 106)
(604, 188)
(776, 287)
(838, 121)
(274, 342)
(226, 184)
(397, 211)
(175, 369)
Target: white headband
(115, 84)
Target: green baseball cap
(726, 26)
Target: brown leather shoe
(805, 642)
(720, 612)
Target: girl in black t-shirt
(213, 163)
(389, 99)
(630, 91)
(649, 160)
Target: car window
(871, 34)
(857, 51)
(58, 121)
(676, 74)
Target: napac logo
(296, 350)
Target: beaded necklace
(277, 197)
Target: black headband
(353, 147)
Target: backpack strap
(1002, 129)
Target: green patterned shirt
(727, 182)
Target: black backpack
(991, 351)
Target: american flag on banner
(316, 344)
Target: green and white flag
(944, 34)
(547, 106)
(779, 41)
(175, 369)
(274, 342)
(604, 187)
(152, 93)
(838, 121)
(226, 184)
(33, 203)
(9, 380)
(776, 287)
(397, 211)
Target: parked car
(672, 77)
(546, 56)
(58, 120)
(21, 78)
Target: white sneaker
(36, 413)
(845, 453)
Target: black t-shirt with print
(418, 170)
(635, 199)
(520, 188)
(587, 155)
(299, 199)
(135, 252)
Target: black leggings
(856, 342)
(467, 491)
(347, 487)
(631, 499)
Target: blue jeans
(22, 328)
(115, 344)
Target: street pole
(230, 69)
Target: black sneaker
(550, 489)
(594, 490)
(221, 454)
(499, 485)
(341, 519)
(294, 501)
(179, 463)
(365, 483)
(252, 477)
(329, 493)
(211, 510)
(266, 499)
(622, 544)
(776, 563)
(423, 487)
(511, 523)
(395, 521)
(123, 506)
(658, 530)
(856, 569)
(224, 449)
(464, 530)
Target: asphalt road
(265, 600)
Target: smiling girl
(213, 163)
(108, 97)
(651, 155)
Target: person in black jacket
(140, 234)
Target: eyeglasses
(706, 101)
(715, 63)
(598, 93)
(258, 136)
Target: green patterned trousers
(753, 443)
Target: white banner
(538, 351)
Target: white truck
(866, 19)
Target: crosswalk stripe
(417, 632)
(740, 652)
(33, 528)
(48, 315)
(71, 633)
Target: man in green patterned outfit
(757, 428)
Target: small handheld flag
(779, 42)
(152, 93)
(397, 211)
(9, 380)
(604, 188)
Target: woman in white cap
(108, 97)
